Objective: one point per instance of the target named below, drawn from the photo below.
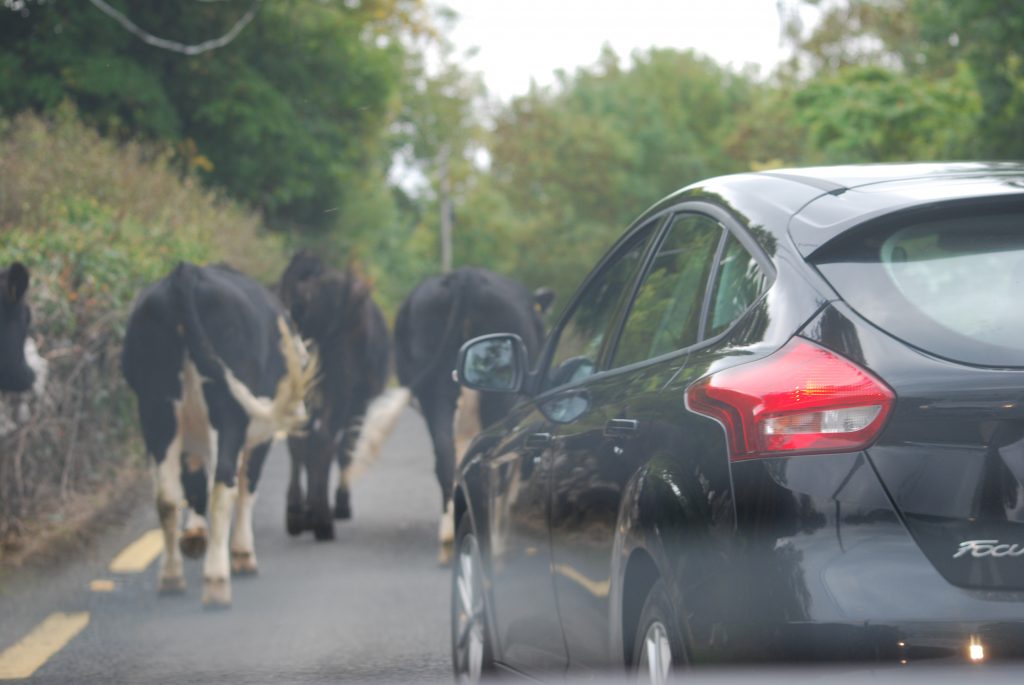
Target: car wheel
(471, 648)
(657, 648)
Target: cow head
(15, 373)
(297, 289)
(320, 300)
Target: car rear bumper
(823, 568)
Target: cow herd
(220, 365)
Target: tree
(577, 162)
(931, 41)
(439, 133)
(873, 114)
(291, 116)
(988, 35)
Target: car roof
(854, 176)
(814, 205)
(872, 191)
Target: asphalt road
(371, 606)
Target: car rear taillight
(802, 399)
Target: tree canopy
(309, 113)
(285, 117)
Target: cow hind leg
(194, 478)
(169, 495)
(466, 426)
(295, 511)
(223, 495)
(318, 471)
(342, 498)
(243, 550)
(440, 421)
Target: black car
(783, 419)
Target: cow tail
(378, 423)
(450, 327)
(196, 341)
(286, 411)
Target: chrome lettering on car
(988, 548)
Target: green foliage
(855, 33)
(988, 36)
(769, 133)
(92, 240)
(961, 61)
(579, 163)
(132, 198)
(872, 114)
(283, 117)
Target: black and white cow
(440, 314)
(19, 362)
(217, 372)
(335, 313)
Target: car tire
(658, 651)
(472, 657)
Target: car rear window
(953, 286)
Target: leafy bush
(94, 221)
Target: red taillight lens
(801, 399)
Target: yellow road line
(28, 654)
(598, 588)
(136, 557)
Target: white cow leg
(194, 538)
(466, 423)
(446, 535)
(216, 568)
(466, 426)
(243, 551)
(169, 496)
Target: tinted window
(951, 286)
(738, 283)
(666, 313)
(584, 333)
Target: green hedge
(95, 220)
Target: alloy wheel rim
(469, 616)
(657, 654)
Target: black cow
(335, 312)
(217, 372)
(435, 320)
(16, 373)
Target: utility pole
(445, 202)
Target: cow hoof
(243, 564)
(171, 585)
(216, 593)
(193, 543)
(444, 555)
(295, 521)
(323, 531)
(342, 509)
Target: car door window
(665, 315)
(583, 334)
(739, 281)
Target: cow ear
(17, 282)
(542, 299)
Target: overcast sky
(523, 39)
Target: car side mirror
(493, 363)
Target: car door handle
(538, 439)
(621, 427)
